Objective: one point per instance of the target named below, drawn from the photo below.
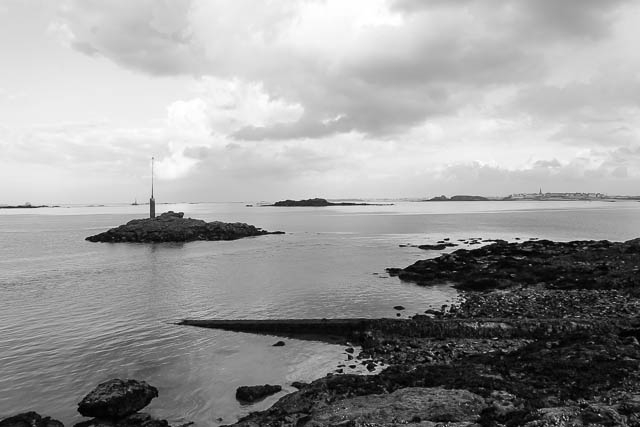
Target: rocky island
(458, 198)
(173, 227)
(545, 334)
(317, 202)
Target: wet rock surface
(30, 419)
(114, 403)
(555, 265)
(251, 394)
(403, 406)
(133, 420)
(536, 347)
(173, 227)
(116, 398)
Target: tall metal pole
(152, 201)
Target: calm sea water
(74, 313)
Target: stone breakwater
(173, 227)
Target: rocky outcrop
(437, 246)
(173, 227)
(559, 265)
(30, 419)
(251, 394)
(317, 202)
(458, 198)
(116, 399)
(417, 404)
(114, 403)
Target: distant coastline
(26, 206)
(544, 197)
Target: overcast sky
(264, 100)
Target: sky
(248, 100)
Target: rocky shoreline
(173, 227)
(545, 336)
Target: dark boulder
(437, 246)
(134, 420)
(117, 398)
(251, 394)
(30, 419)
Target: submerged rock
(116, 398)
(250, 394)
(173, 227)
(30, 419)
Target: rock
(438, 246)
(173, 227)
(279, 344)
(117, 398)
(133, 420)
(318, 202)
(299, 385)
(401, 407)
(251, 394)
(349, 350)
(562, 265)
(30, 419)
(398, 307)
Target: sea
(74, 313)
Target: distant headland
(26, 205)
(317, 202)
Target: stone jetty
(173, 227)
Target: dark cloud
(444, 57)
(532, 19)
(145, 35)
(567, 18)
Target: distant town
(540, 196)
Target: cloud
(365, 95)
(371, 67)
